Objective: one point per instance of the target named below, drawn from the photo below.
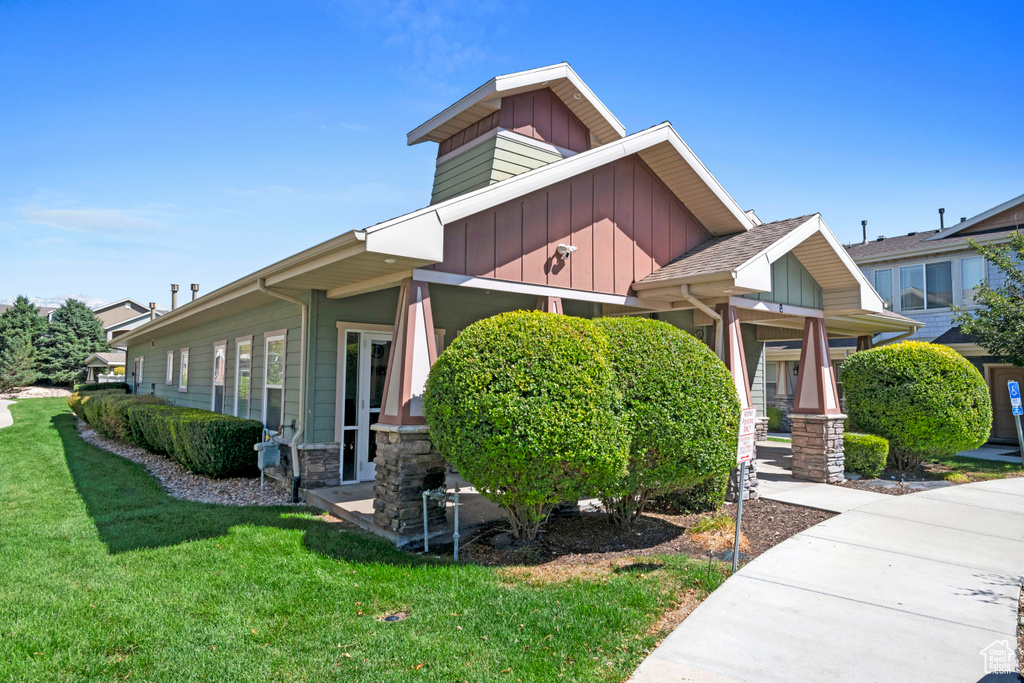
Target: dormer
(513, 124)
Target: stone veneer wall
(818, 448)
(407, 464)
(319, 464)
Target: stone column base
(818, 447)
(319, 464)
(749, 483)
(761, 429)
(407, 464)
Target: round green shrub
(926, 399)
(680, 405)
(524, 405)
(705, 496)
(774, 419)
(866, 454)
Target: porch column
(864, 342)
(406, 461)
(817, 417)
(735, 361)
(783, 398)
(549, 304)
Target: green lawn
(975, 469)
(106, 577)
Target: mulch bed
(589, 538)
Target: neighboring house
(540, 200)
(44, 311)
(120, 317)
(103, 363)
(920, 275)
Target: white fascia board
(455, 280)
(420, 236)
(116, 304)
(522, 80)
(755, 274)
(963, 225)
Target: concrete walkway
(909, 588)
(5, 413)
(776, 482)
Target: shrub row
(104, 386)
(866, 454)
(202, 441)
(774, 419)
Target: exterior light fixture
(389, 260)
(566, 250)
(796, 369)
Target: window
(273, 381)
(883, 285)
(243, 376)
(972, 274)
(220, 359)
(926, 286)
(137, 384)
(170, 368)
(183, 371)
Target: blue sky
(149, 143)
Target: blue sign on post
(1015, 401)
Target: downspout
(300, 425)
(898, 338)
(684, 290)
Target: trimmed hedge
(680, 406)
(774, 419)
(102, 386)
(524, 405)
(706, 496)
(202, 441)
(866, 454)
(926, 399)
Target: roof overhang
(931, 248)
(844, 287)
(560, 78)
(97, 361)
(970, 222)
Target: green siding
(791, 284)
(200, 339)
(753, 350)
(486, 163)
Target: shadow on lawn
(131, 510)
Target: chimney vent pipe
(864, 227)
(152, 310)
(942, 220)
(174, 297)
(963, 218)
(195, 291)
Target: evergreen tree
(999, 323)
(21, 320)
(73, 335)
(17, 363)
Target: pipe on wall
(300, 425)
(711, 313)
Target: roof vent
(880, 238)
(911, 234)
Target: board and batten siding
(542, 115)
(200, 340)
(623, 220)
(791, 284)
(485, 163)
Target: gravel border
(180, 483)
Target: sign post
(1018, 410)
(744, 454)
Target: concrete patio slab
(818, 496)
(908, 588)
(6, 420)
(992, 452)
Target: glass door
(365, 370)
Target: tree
(681, 408)
(21, 319)
(72, 336)
(926, 399)
(17, 363)
(999, 322)
(524, 405)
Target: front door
(1003, 426)
(365, 370)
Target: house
(540, 200)
(920, 275)
(103, 363)
(120, 317)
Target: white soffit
(560, 78)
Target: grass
(106, 577)
(780, 439)
(960, 469)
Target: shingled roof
(727, 253)
(916, 241)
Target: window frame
(984, 278)
(874, 283)
(923, 265)
(269, 337)
(213, 376)
(239, 343)
(183, 370)
(169, 380)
